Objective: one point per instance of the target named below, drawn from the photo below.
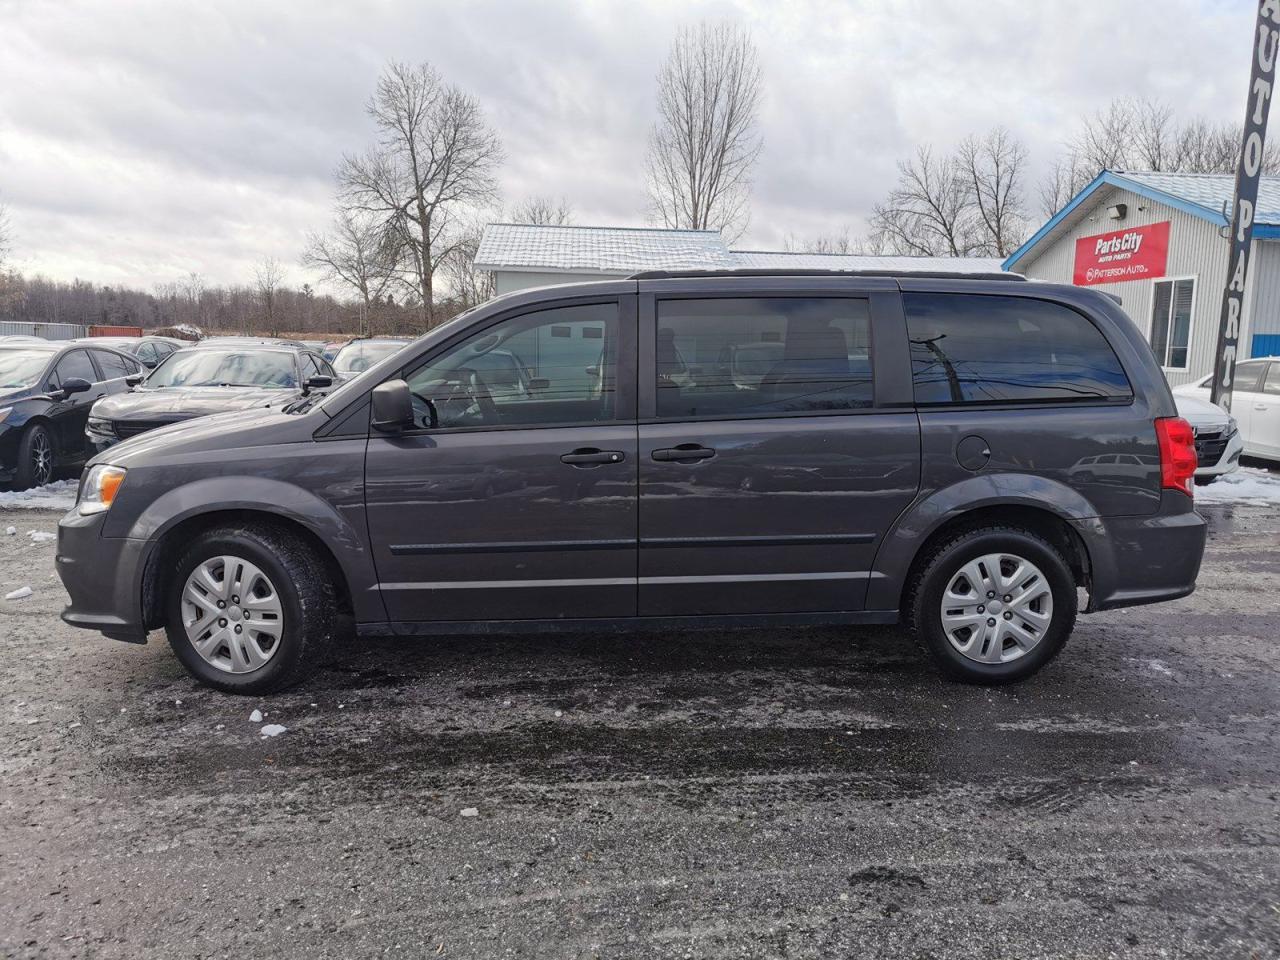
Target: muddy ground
(791, 793)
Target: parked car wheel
(249, 610)
(35, 458)
(992, 605)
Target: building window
(1171, 322)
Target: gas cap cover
(973, 452)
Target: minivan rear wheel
(992, 605)
(249, 610)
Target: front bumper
(1144, 559)
(103, 576)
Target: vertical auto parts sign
(1135, 253)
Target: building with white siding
(522, 255)
(1158, 241)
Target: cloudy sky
(143, 140)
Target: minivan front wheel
(249, 610)
(992, 605)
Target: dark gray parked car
(206, 379)
(910, 454)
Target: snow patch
(1246, 485)
(20, 594)
(468, 812)
(60, 495)
(10, 531)
(42, 536)
(273, 729)
(255, 717)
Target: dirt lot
(768, 794)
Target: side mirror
(392, 407)
(75, 385)
(134, 379)
(317, 383)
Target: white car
(1255, 403)
(1218, 440)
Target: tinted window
(112, 365)
(75, 364)
(359, 355)
(549, 367)
(309, 366)
(748, 357)
(991, 349)
(148, 353)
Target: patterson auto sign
(1138, 253)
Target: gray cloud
(141, 140)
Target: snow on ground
(1246, 485)
(59, 495)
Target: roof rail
(767, 272)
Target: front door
(515, 498)
(769, 471)
(1264, 418)
(69, 416)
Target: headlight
(4, 412)
(1231, 425)
(99, 425)
(99, 488)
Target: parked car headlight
(99, 425)
(1231, 425)
(99, 488)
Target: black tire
(28, 473)
(933, 573)
(306, 594)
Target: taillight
(1177, 453)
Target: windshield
(21, 368)
(359, 357)
(208, 367)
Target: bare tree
(357, 253)
(993, 167)
(705, 143)
(822, 243)
(468, 285)
(929, 212)
(542, 211)
(436, 156)
(6, 236)
(267, 276)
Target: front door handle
(592, 456)
(1260, 406)
(684, 452)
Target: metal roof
(622, 251)
(765, 259)
(1207, 196)
(609, 250)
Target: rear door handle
(684, 452)
(592, 456)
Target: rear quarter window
(971, 348)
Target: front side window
(552, 367)
(1246, 375)
(1171, 322)
(968, 348)
(1271, 382)
(762, 356)
(113, 365)
(75, 364)
(147, 353)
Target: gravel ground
(793, 793)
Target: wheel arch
(1042, 506)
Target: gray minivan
(912, 453)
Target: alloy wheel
(41, 459)
(997, 608)
(232, 614)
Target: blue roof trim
(1107, 178)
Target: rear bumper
(103, 576)
(1137, 560)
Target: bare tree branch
(993, 167)
(267, 277)
(929, 212)
(436, 155)
(358, 253)
(542, 211)
(705, 144)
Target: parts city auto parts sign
(1138, 253)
